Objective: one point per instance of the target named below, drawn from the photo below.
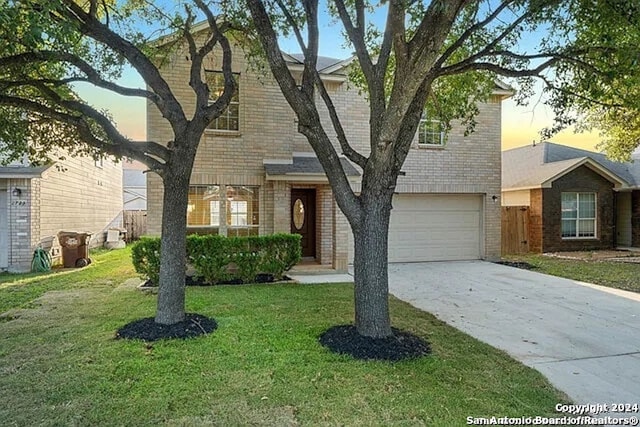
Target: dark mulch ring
(345, 339)
(147, 329)
(517, 264)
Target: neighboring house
(76, 194)
(134, 194)
(134, 188)
(577, 199)
(255, 174)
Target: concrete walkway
(584, 340)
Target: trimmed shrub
(209, 256)
(284, 252)
(145, 254)
(218, 259)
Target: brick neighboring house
(255, 174)
(77, 194)
(578, 199)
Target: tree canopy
(49, 48)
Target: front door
(4, 230)
(303, 219)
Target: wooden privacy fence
(136, 224)
(515, 230)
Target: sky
(520, 124)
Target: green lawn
(60, 365)
(618, 275)
(108, 268)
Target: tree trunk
(370, 268)
(171, 289)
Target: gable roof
(324, 64)
(20, 172)
(537, 166)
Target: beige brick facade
(71, 195)
(268, 131)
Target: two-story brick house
(255, 174)
(36, 202)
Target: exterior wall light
(16, 192)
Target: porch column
(340, 238)
(281, 207)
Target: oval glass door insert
(298, 214)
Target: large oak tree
(426, 51)
(50, 47)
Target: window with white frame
(230, 117)
(431, 132)
(578, 215)
(203, 208)
(224, 209)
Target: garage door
(428, 227)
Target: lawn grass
(60, 363)
(107, 268)
(620, 275)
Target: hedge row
(219, 259)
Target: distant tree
(443, 56)
(47, 47)
(605, 96)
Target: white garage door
(429, 227)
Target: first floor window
(578, 215)
(224, 209)
(203, 208)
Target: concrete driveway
(584, 340)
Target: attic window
(230, 117)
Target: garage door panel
(409, 220)
(427, 227)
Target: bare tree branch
(217, 37)
(309, 123)
(385, 47)
(357, 37)
(292, 23)
(311, 57)
(470, 31)
(167, 103)
(436, 22)
(93, 76)
(137, 152)
(106, 124)
(347, 149)
(551, 59)
(499, 70)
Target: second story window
(230, 117)
(431, 132)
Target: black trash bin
(75, 248)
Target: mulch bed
(199, 281)
(345, 339)
(517, 264)
(147, 329)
